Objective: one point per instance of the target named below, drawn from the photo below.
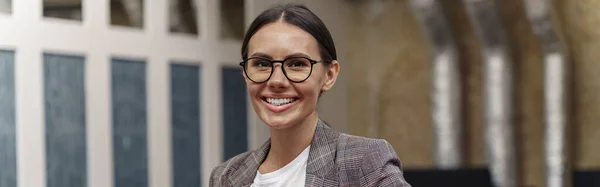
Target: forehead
(281, 39)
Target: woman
(289, 61)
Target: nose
(278, 79)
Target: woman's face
(277, 41)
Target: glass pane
(64, 87)
(5, 6)
(232, 19)
(185, 120)
(128, 13)
(65, 9)
(182, 16)
(8, 154)
(129, 128)
(235, 121)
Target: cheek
(252, 89)
(315, 83)
(310, 90)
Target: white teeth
(280, 101)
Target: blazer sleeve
(216, 177)
(381, 166)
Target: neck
(287, 144)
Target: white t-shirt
(292, 174)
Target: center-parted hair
(301, 17)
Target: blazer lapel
(244, 175)
(320, 169)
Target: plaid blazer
(335, 159)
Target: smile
(279, 104)
(279, 101)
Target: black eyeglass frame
(312, 63)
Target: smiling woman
(289, 61)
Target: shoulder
(369, 152)
(369, 161)
(218, 176)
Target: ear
(331, 75)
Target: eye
(261, 63)
(297, 63)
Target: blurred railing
(556, 76)
(498, 89)
(446, 90)
(498, 72)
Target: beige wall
(389, 82)
(581, 26)
(389, 70)
(386, 78)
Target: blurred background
(148, 93)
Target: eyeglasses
(295, 69)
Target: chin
(278, 122)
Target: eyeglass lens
(296, 69)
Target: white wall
(29, 34)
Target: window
(182, 17)
(232, 19)
(64, 96)
(8, 158)
(64, 9)
(129, 13)
(185, 120)
(235, 122)
(130, 141)
(5, 6)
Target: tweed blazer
(335, 159)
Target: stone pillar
(581, 26)
(390, 79)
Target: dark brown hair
(300, 16)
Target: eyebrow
(263, 55)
